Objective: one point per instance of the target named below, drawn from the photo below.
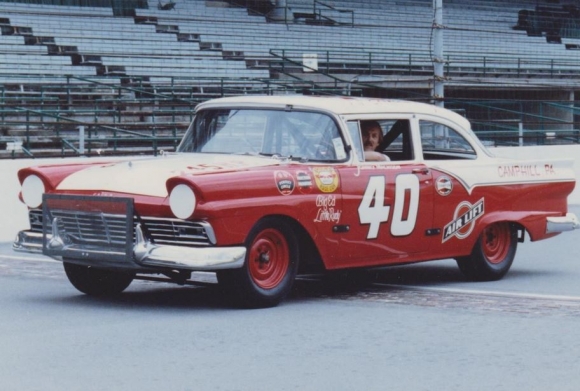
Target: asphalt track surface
(545, 276)
(415, 327)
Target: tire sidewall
(240, 281)
(97, 282)
(478, 267)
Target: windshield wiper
(277, 156)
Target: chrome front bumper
(562, 223)
(145, 253)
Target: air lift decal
(463, 220)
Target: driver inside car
(372, 137)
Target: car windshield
(292, 134)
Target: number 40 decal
(373, 211)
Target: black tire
(270, 267)
(97, 282)
(493, 253)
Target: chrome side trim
(562, 223)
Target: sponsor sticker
(326, 179)
(463, 220)
(443, 185)
(284, 182)
(339, 148)
(304, 180)
(327, 211)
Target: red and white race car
(264, 187)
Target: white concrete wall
(13, 213)
(14, 217)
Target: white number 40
(373, 211)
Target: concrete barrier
(15, 217)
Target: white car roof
(340, 105)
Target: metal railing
(409, 63)
(319, 8)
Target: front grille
(101, 228)
(175, 231)
(92, 228)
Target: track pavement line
(483, 293)
(25, 258)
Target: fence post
(28, 129)
(81, 139)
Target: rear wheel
(493, 253)
(270, 267)
(97, 282)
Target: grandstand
(128, 73)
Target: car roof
(340, 105)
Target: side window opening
(442, 142)
(395, 140)
(355, 136)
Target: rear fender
(534, 223)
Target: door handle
(422, 171)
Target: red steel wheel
(493, 253)
(269, 258)
(495, 242)
(271, 265)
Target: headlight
(182, 201)
(32, 191)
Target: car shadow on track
(349, 284)
(334, 285)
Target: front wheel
(270, 267)
(493, 253)
(97, 282)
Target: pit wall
(14, 214)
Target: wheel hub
(269, 255)
(264, 258)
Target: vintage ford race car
(264, 187)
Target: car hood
(148, 176)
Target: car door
(387, 206)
